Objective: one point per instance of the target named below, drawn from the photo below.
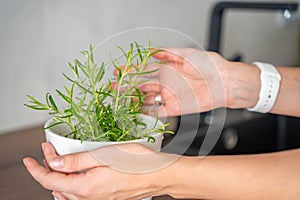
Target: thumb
(74, 162)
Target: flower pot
(64, 145)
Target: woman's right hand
(189, 81)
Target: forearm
(265, 176)
(289, 93)
(243, 86)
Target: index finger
(168, 54)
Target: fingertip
(169, 55)
(30, 163)
(49, 150)
(114, 85)
(116, 72)
(26, 161)
(46, 146)
(57, 195)
(43, 146)
(158, 54)
(54, 194)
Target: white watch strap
(270, 83)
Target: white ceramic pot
(64, 145)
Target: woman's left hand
(82, 176)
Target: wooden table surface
(15, 182)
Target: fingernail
(43, 146)
(54, 195)
(25, 161)
(57, 162)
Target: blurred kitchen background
(38, 38)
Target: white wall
(263, 35)
(38, 38)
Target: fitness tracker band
(270, 83)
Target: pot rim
(50, 131)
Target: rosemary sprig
(100, 112)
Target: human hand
(100, 180)
(190, 81)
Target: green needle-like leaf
(66, 98)
(103, 111)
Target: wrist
(162, 181)
(242, 85)
(184, 178)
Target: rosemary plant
(103, 111)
